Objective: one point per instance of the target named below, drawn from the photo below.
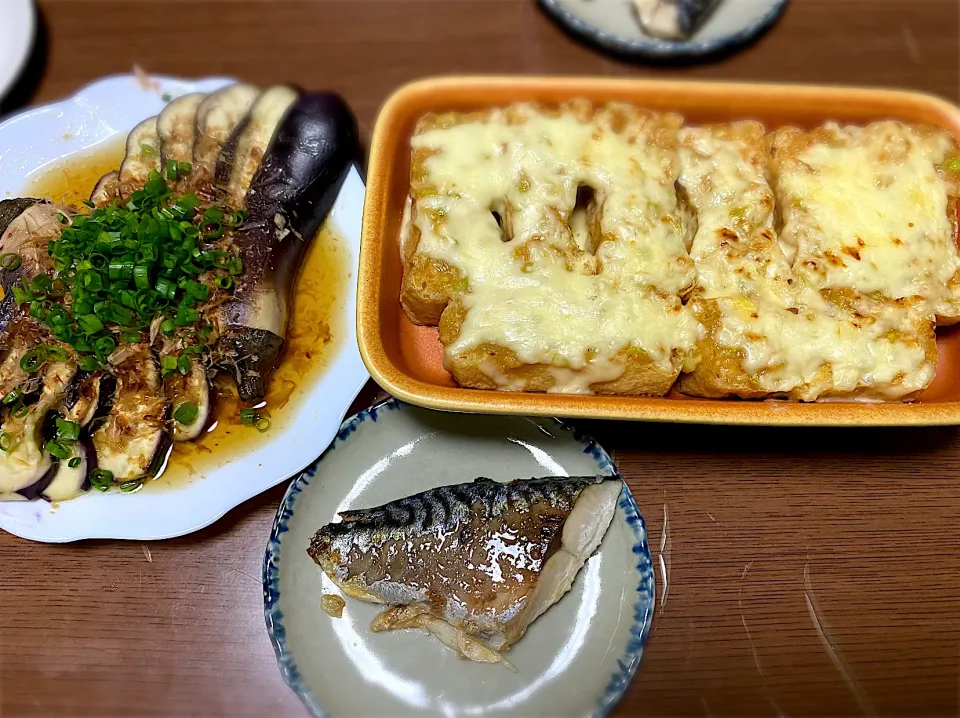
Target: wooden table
(810, 572)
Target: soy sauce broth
(314, 332)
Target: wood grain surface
(809, 572)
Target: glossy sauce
(312, 335)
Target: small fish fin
(418, 616)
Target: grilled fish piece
(673, 19)
(475, 563)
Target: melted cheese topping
(571, 285)
(868, 211)
(790, 339)
(540, 293)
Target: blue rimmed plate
(575, 660)
(613, 25)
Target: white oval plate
(17, 29)
(98, 113)
(575, 660)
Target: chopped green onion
(147, 150)
(12, 396)
(141, 276)
(68, 430)
(119, 267)
(184, 168)
(55, 448)
(168, 364)
(263, 425)
(248, 417)
(89, 363)
(130, 486)
(6, 441)
(89, 324)
(184, 364)
(74, 462)
(101, 479)
(55, 353)
(20, 410)
(105, 345)
(186, 413)
(33, 360)
(166, 288)
(211, 229)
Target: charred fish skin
(486, 558)
(292, 192)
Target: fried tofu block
(763, 332)
(871, 210)
(548, 245)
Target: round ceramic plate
(38, 138)
(613, 24)
(575, 660)
(18, 23)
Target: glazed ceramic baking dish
(407, 360)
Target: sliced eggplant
(290, 196)
(133, 432)
(253, 138)
(175, 128)
(106, 189)
(142, 155)
(20, 337)
(27, 234)
(67, 482)
(25, 468)
(194, 388)
(84, 397)
(218, 117)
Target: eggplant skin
(306, 163)
(250, 355)
(291, 194)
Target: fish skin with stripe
(474, 564)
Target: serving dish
(612, 25)
(44, 137)
(17, 32)
(407, 359)
(576, 659)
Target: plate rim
(22, 50)
(655, 48)
(643, 606)
(71, 533)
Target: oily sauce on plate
(312, 335)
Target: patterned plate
(613, 25)
(575, 660)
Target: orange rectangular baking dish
(406, 360)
